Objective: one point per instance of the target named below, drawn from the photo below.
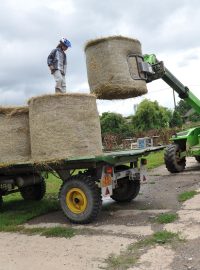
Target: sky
(29, 30)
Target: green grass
(122, 261)
(64, 232)
(59, 232)
(186, 195)
(160, 237)
(155, 159)
(16, 211)
(130, 256)
(166, 218)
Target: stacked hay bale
(112, 72)
(14, 135)
(64, 126)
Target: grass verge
(166, 218)
(52, 232)
(155, 159)
(57, 231)
(186, 195)
(130, 256)
(16, 211)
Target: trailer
(115, 174)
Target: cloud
(30, 30)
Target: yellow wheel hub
(76, 200)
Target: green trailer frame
(117, 174)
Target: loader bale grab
(112, 67)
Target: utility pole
(135, 107)
(174, 99)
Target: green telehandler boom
(184, 143)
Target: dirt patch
(123, 229)
(187, 256)
(156, 258)
(37, 252)
(189, 220)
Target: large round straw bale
(112, 72)
(64, 126)
(14, 135)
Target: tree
(176, 120)
(116, 124)
(194, 117)
(183, 107)
(150, 115)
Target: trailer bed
(113, 157)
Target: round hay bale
(14, 135)
(111, 71)
(64, 126)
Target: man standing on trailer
(57, 62)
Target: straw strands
(14, 135)
(63, 126)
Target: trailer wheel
(173, 162)
(127, 190)
(34, 192)
(80, 199)
(197, 158)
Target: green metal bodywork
(126, 156)
(150, 58)
(175, 84)
(190, 138)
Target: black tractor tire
(80, 199)
(173, 162)
(127, 190)
(34, 192)
(197, 158)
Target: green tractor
(184, 143)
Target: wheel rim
(76, 200)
